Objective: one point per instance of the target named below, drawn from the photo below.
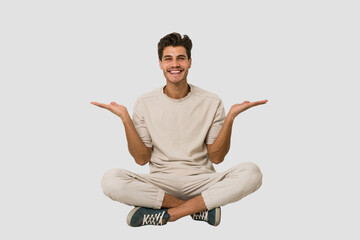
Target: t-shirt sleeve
(216, 125)
(140, 124)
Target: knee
(253, 173)
(111, 182)
(253, 169)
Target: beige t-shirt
(178, 129)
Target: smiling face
(175, 64)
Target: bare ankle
(172, 214)
(171, 201)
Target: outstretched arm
(218, 150)
(137, 148)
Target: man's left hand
(236, 109)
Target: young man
(180, 130)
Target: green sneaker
(212, 217)
(141, 216)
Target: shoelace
(201, 215)
(153, 219)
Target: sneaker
(212, 217)
(141, 216)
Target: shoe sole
(218, 216)
(130, 215)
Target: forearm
(218, 150)
(221, 146)
(137, 148)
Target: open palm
(240, 107)
(113, 107)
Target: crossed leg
(178, 208)
(219, 190)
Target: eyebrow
(182, 55)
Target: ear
(190, 60)
(160, 64)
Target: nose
(175, 63)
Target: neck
(177, 91)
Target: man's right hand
(115, 108)
(137, 148)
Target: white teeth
(174, 71)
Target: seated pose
(181, 130)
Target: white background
(57, 56)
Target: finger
(259, 102)
(94, 103)
(102, 105)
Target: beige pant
(148, 190)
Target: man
(180, 130)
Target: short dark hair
(174, 39)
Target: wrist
(125, 118)
(231, 116)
